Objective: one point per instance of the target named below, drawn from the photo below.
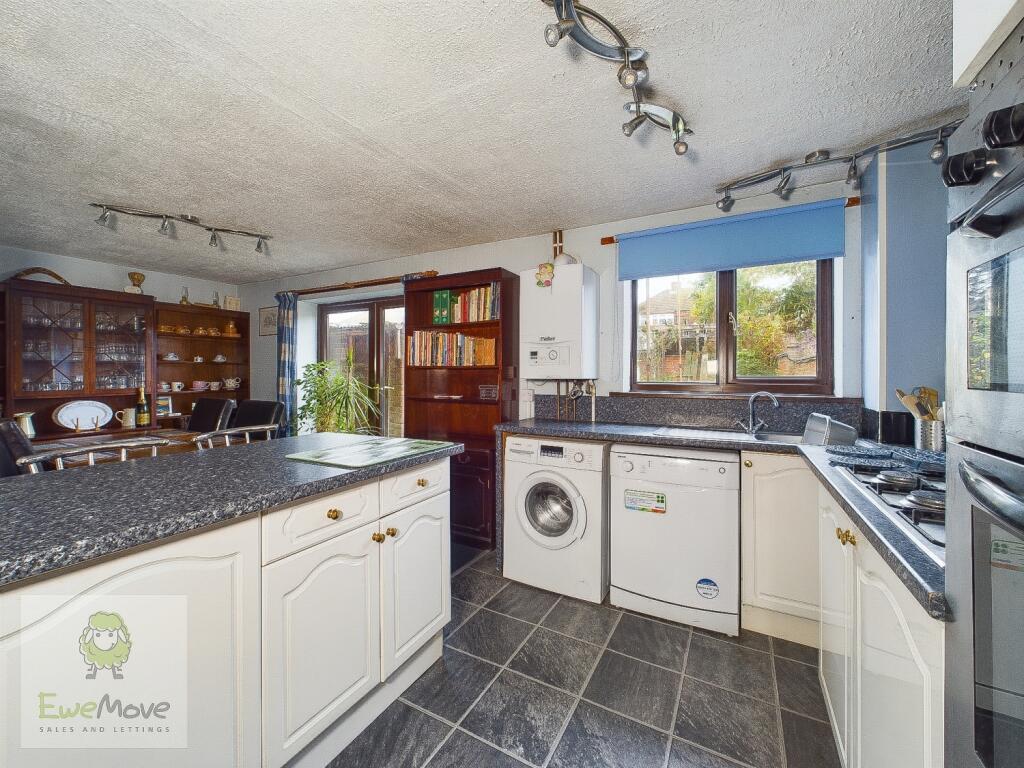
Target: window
(375, 333)
(765, 327)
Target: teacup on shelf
(183, 330)
(232, 383)
(200, 385)
(171, 357)
(165, 386)
(220, 359)
(197, 359)
(200, 332)
(214, 386)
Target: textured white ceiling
(361, 130)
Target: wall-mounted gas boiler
(558, 324)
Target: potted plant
(335, 400)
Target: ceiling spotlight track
(632, 73)
(784, 174)
(184, 218)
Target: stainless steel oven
(984, 676)
(985, 588)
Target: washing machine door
(551, 510)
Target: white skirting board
(345, 729)
(793, 628)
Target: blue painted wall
(914, 264)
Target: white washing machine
(675, 534)
(556, 516)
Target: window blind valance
(795, 233)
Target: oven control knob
(1004, 127)
(577, 457)
(965, 169)
(627, 466)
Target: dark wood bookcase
(463, 403)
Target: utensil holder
(929, 435)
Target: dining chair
(210, 414)
(208, 439)
(255, 412)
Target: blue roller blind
(794, 233)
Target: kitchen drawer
(400, 490)
(309, 522)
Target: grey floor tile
(596, 738)
(476, 587)
(746, 638)
(809, 743)
(731, 666)
(488, 564)
(463, 751)
(651, 641)
(451, 685)
(522, 602)
(799, 688)
(460, 612)
(520, 716)
(402, 737)
(582, 620)
(686, 755)
(462, 555)
(729, 723)
(634, 688)
(790, 650)
(490, 636)
(556, 659)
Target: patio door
(374, 332)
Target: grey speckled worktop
(923, 577)
(55, 520)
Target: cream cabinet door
(779, 514)
(188, 617)
(899, 672)
(416, 579)
(321, 638)
(836, 627)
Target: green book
(442, 307)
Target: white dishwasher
(675, 534)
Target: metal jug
(24, 422)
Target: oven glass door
(998, 639)
(995, 324)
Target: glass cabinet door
(53, 345)
(120, 338)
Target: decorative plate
(89, 414)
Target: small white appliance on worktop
(556, 517)
(675, 534)
(558, 324)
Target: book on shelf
(476, 305)
(441, 348)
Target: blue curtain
(778, 236)
(287, 325)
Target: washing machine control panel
(570, 455)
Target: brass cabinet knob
(378, 537)
(851, 538)
(392, 532)
(748, 463)
(839, 534)
(334, 514)
(423, 482)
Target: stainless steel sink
(727, 434)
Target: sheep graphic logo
(105, 644)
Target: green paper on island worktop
(369, 453)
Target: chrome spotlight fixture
(165, 226)
(782, 188)
(664, 118)
(631, 125)
(103, 217)
(853, 173)
(259, 244)
(632, 72)
(938, 150)
(553, 33)
(725, 202)
(213, 238)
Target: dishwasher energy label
(645, 501)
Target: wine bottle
(142, 410)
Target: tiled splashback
(707, 412)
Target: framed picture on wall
(268, 321)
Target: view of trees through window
(774, 322)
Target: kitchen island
(230, 607)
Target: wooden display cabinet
(464, 403)
(187, 346)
